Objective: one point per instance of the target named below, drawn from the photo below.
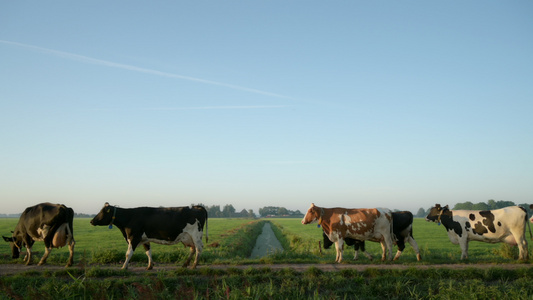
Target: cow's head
(105, 216)
(436, 212)
(314, 214)
(15, 244)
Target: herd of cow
(53, 224)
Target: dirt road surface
(12, 269)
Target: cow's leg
(362, 247)
(386, 244)
(368, 255)
(48, 243)
(148, 252)
(27, 257)
(192, 251)
(71, 242)
(131, 248)
(28, 241)
(401, 247)
(521, 242)
(383, 251)
(47, 250)
(199, 248)
(464, 248)
(356, 247)
(413, 243)
(356, 254)
(338, 246)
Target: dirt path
(12, 269)
(266, 243)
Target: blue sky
(265, 103)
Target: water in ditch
(266, 243)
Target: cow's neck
(326, 228)
(119, 218)
(446, 218)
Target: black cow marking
(489, 220)
(472, 217)
(499, 224)
(480, 229)
(450, 224)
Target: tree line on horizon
(215, 211)
(228, 211)
(489, 205)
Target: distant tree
(466, 205)
(214, 211)
(421, 213)
(296, 213)
(251, 213)
(491, 204)
(480, 206)
(502, 204)
(228, 211)
(268, 211)
(282, 211)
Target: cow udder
(60, 237)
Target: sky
(397, 104)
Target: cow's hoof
(418, 257)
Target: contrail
(111, 64)
(219, 107)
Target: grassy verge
(260, 283)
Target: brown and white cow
(161, 225)
(51, 223)
(507, 225)
(373, 224)
(402, 225)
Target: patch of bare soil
(12, 269)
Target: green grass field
(100, 245)
(97, 248)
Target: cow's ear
(8, 239)
(447, 207)
(437, 206)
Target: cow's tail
(528, 225)
(206, 235)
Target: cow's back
(402, 220)
(362, 224)
(161, 223)
(491, 225)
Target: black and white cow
(507, 225)
(162, 225)
(402, 227)
(51, 223)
